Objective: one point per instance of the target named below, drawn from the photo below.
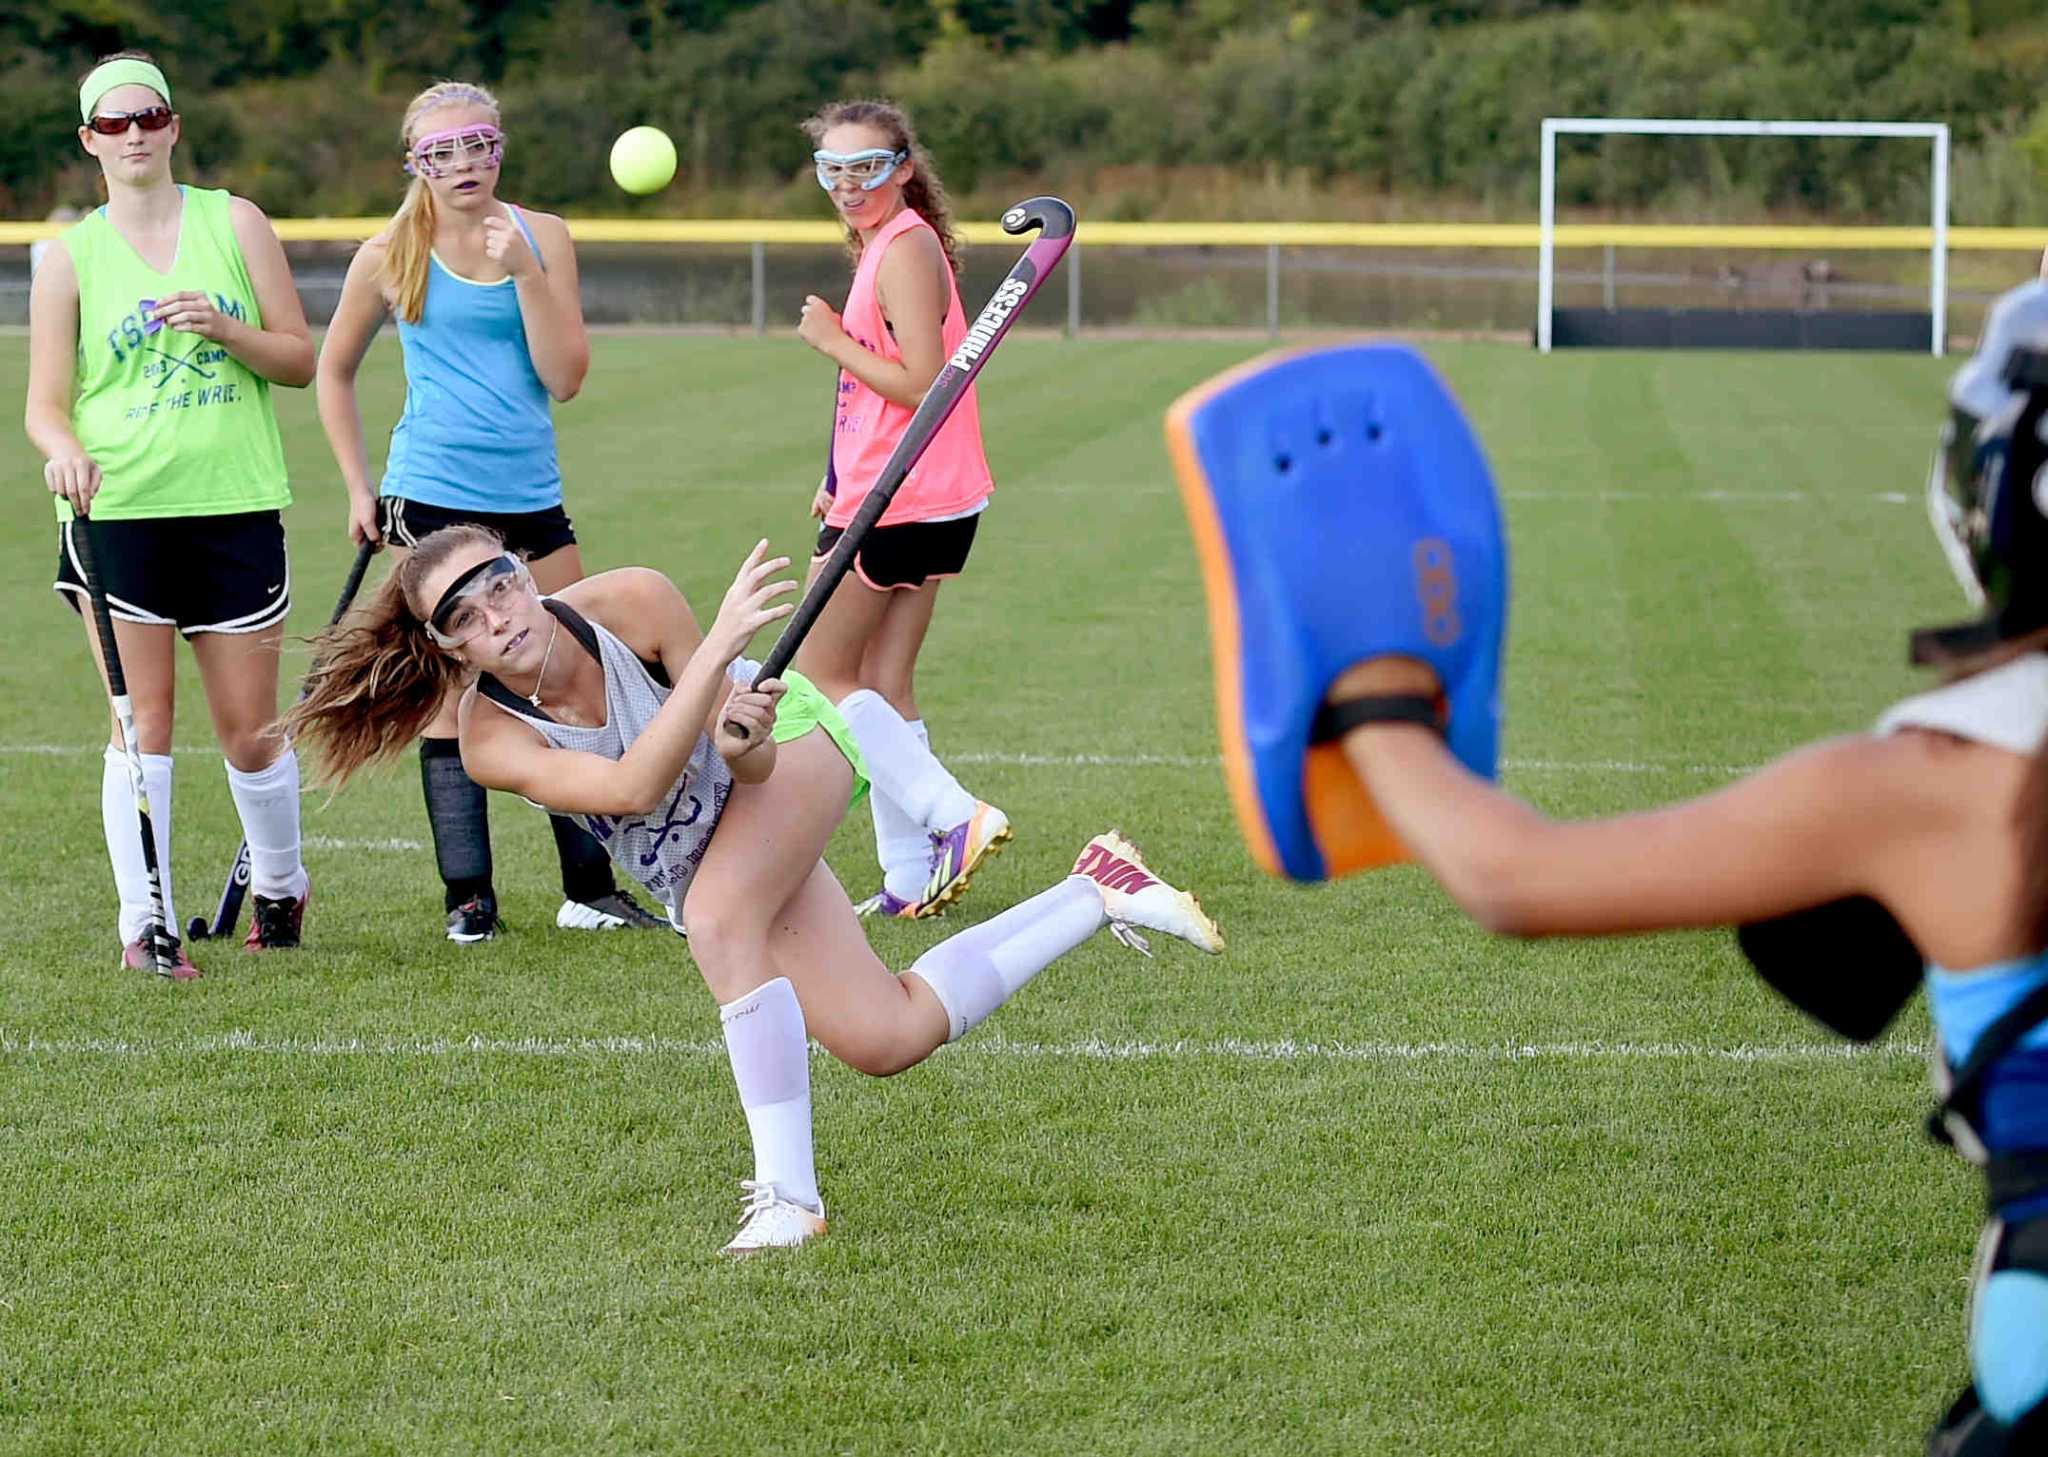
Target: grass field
(1372, 1182)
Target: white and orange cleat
(771, 1222)
(1133, 896)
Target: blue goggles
(870, 168)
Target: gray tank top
(661, 849)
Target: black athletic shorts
(908, 555)
(195, 573)
(531, 534)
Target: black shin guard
(458, 811)
(586, 868)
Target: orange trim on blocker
(1347, 827)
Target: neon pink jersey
(952, 477)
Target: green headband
(125, 72)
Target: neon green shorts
(804, 708)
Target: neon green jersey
(177, 425)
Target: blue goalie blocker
(1342, 510)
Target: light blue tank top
(475, 434)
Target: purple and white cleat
(958, 853)
(882, 905)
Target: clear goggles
(486, 590)
(441, 154)
(870, 169)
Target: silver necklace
(545, 659)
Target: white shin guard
(903, 845)
(268, 802)
(900, 765)
(124, 838)
(771, 1064)
(978, 970)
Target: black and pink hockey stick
(1054, 221)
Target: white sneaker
(770, 1222)
(1133, 896)
(613, 912)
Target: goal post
(1935, 133)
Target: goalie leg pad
(1342, 510)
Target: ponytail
(377, 679)
(411, 244)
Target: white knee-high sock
(771, 1063)
(268, 802)
(124, 838)
(978, 970)
(902, 844)
(901, 766)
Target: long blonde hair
(377, 678)
(923, 194)
(411, 235)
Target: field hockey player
(902, 319)
(606, 702)
(491, 322)
(1358, 657)
(157, 326)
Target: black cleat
(476, 919)
(274, 924)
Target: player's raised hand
(505, 244)
(750, 603)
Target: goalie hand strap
(1334, 720)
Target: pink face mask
(441, 154)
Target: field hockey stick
(1055, 221)
(229, 909)
(163, 946)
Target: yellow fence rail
(1231, 235)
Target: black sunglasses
(114, 123)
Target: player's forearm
(891, 380)
(343, 424)
(754, 766)
(656, 759)
(49, 431)
(555, 337)
(1479, 842)
(281, 358)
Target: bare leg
(831, 655)
(890, 664)
(239, 670)
(763, 905)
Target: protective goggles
(115, 123)
(439, 154)
(870, 168)
(486, 590)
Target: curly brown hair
(923, 193)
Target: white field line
(329, 842)
(14, 1043)
(1039, 761)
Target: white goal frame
(1556, 126)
